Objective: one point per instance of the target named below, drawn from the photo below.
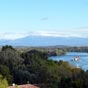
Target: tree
(4, 70)
(10, 57)
(3, 82)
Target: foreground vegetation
(33, 67)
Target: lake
(83, 62)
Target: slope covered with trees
(34, 67)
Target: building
(24, 86)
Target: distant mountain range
(46, 41)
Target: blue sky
(27, 16)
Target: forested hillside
(34, 67)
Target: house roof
(24, 86)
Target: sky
(45, 17)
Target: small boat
(76, 58)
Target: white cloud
(74, 33)
(67, 33)
(12, 35)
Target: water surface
(83, 62)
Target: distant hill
(46, 41)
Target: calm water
(83, 62)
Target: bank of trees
(51, 51)
(77, 49)
(34, 67)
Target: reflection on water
(83, 62)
